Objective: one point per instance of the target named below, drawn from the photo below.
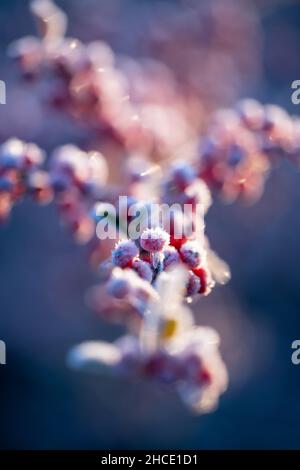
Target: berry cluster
(74, 178)
(243, 144)
(153, 254)
(20, 173)
(78, 179)
(114, 96)
(235, 156)
(168, 349)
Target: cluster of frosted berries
(167, 349)
(20, 174)
(236, 154)
(78, 179)
(74, 178)
(80, 79)
(183, 186)
(153, 254)
(192, 364)
(242, 144)
(135, 103)
(85, 80)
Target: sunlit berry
(118, 288)
(171, 257)
(124, 253)
(154, 240)
(182, 174)
(191, 254)
(194, 284)
(143, 269)
(39, 186)
(251, 113)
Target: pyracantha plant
(141, 116)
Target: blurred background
(222, 51)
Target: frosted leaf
(220, 270)
(171, 287)
(167, 307)
(94, 356)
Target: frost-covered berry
(251, 112)
(236, 155)
(163, 367)
(33, 156)
(118, 287)
(143, 269)
(193, 285)
(16, 154)
(191, 254)
(28, 52)
(11, 154)
(171, 257)
(274, 116)
(154, 239)
(70, 166)
(124, 253)
(39, 187)
(182, 174)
